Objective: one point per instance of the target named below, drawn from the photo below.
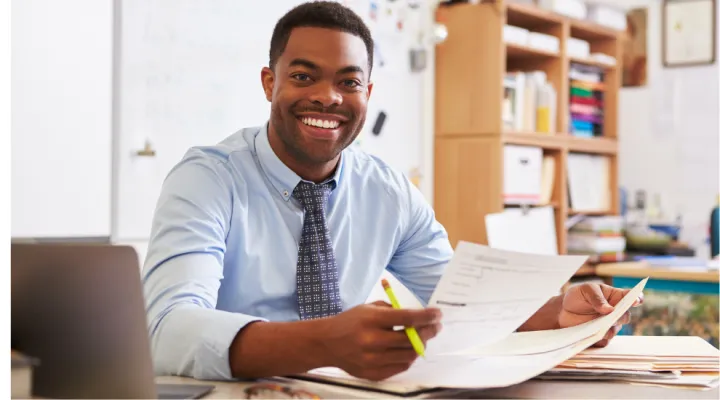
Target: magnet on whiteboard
(379, 122)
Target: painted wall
(673, 156)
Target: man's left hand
(587, 301)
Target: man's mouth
(320, 123)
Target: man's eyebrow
(304, 63)
(350, 69)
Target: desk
(678, 300)
(689, 279)
(533, 389)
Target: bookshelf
(470, 133)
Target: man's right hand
(363, 342)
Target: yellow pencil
(410, 331)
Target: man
(265, 247)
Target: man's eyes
(301, 77)
(306, 78)
(351, 83)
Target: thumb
(597, 300)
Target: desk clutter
(484, 351)
(600, 238)
(676, 361)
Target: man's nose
(326, 94)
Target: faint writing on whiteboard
(664, 98)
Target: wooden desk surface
(533, 389)
(642, 269)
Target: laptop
(79, 309)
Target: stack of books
(586, 100)
(677, 361)
(600, 238)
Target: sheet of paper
(521, 343)
(486, 294)
(655, 346)
(473, 371)
(527, 231)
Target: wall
(673, 155)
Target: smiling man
(265, 247)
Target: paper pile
(663, 360)
(485, 295)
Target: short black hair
(319, 14)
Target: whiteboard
(189, 75)
(61, 118)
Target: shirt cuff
(213, 356)
(215, 332)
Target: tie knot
(312, 195)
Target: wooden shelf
(591, 62)
(592, 213)
(530, 17)
(597, 145)
(586, 30)
(518, 52)
(470, 67)
(544, 140)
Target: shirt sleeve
(424, 250)
(183, 270)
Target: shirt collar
(283, 179)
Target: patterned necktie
(317, 274)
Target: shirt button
(285, 193)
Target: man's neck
(311, 172)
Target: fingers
(639, 300)
(399, 339)
(594, 295)
(625, 319)
(608, 336)
(428, 332)
(390, 317)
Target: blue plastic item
(671, 230)
(715, 231)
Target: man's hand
(587, 301)
(363, 343)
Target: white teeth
(321, 123)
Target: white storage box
(522, 175)
(515, 35)
(545, 42)
(607, 16)
(571, 8)
(578, 48)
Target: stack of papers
(663, 360)
(485, 295)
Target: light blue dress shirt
(224, 244)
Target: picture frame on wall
(688, 32)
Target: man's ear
(268, 82)
(369, 88)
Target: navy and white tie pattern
(317, 274)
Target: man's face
(319, 92)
